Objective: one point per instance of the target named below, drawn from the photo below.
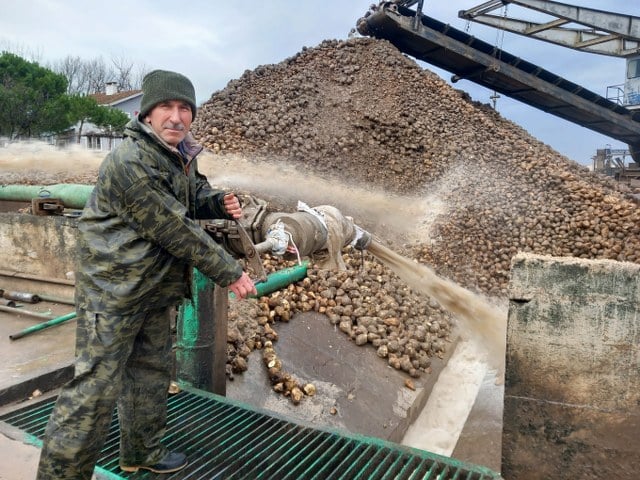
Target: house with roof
(96, 138)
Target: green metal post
(201, 342)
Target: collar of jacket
(192, 148)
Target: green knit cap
(162, 85)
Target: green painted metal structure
(201, 328)
(71, 195)
(201, 338)
(226, 439)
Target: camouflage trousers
(119, 359)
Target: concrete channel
(357, 392)
(567, 408)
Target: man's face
(171, 120)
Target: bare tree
(22, 50)
(87, 77)
(98, 75)
(84, 77)
(74, 69)
(141, 71)
(123, 72)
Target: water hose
(280, 279)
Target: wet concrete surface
(24, 459)
(480, 441)
(34, 357)
(369, 397)
(29, 366)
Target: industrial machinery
(226, 438)
(427, 39)
(604, 33)
(299, 233)
(201, 346)
(613, 162)
(600, 32)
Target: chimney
(111, 88)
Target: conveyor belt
(228, 440)
(469, 58)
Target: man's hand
(232, 205)
(243, 286)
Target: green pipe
(41, 326)
(70, 194)
(280, 279)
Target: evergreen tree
(84, 109)
(33, 99)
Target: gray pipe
(307, 232)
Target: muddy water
(26, 157)
(395, 215)
(270, 178)
(442, 419)
(481, 350)
(477, 318)
(482, 329)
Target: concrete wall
(572, 378)
(33, 247)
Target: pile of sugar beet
(360, 110)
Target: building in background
(96, 138)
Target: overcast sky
(213, 42)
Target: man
(138, 242)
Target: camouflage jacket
(138, 238)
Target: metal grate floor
(228, 440)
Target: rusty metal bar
(24, 312)
(26, 276)
(21, 296)
(56, 299)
